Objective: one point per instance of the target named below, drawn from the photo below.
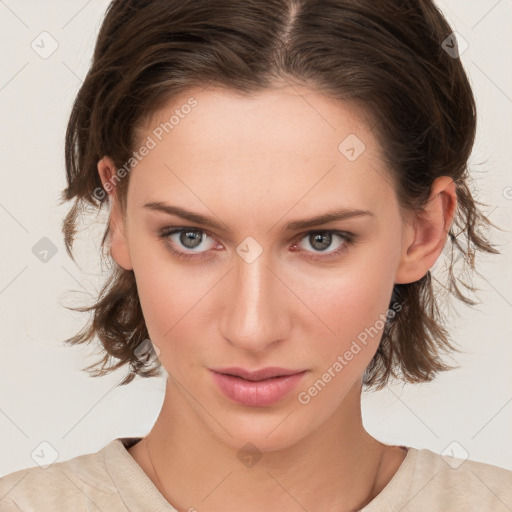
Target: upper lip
(263, 373)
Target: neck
(338, 466)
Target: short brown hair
(386, 55)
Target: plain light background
(44, 395)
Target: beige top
(110, 480)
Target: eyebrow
(324, 218)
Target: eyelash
(164, 235)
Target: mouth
(260, 388)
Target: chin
(267, 431)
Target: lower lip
(256, 393)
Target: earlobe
(425, 235)
(119, 249)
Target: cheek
(170, 300)
(353, 304)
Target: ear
(425, 233)
(118, 241)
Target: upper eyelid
(314, 222)
(170, 229)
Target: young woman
(281, 177)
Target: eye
(321, 240)
(191, 238)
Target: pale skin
(256, 164)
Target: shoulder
(66, 485)
(450, 483)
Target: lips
(260, 388)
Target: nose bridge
(255, 315)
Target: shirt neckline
(135, 488)
(393, 495)
(138, 491)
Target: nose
(256, 310)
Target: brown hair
(387, 56)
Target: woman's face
(261, 289)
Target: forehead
(283, 118)
(287, 146)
